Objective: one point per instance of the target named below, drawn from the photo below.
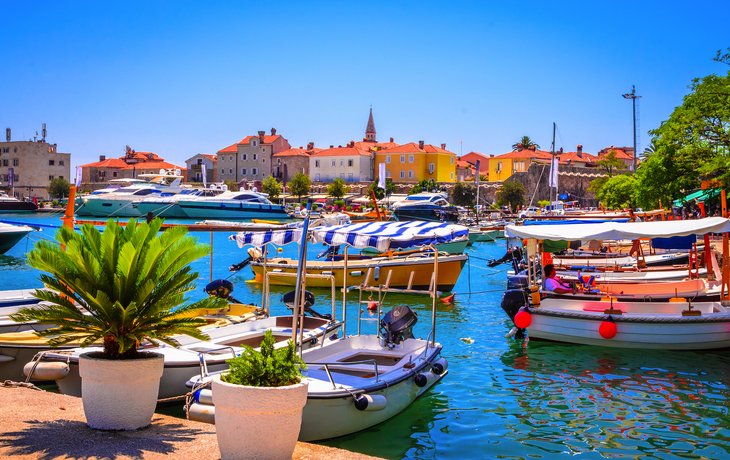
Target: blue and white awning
(389, 235)
(280, 237)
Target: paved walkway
(42, 425)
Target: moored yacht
(166, 206)
(426, 206)
(11, 204)
(11, 234)
(118, 203)
(244, 204)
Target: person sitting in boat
(553, 283)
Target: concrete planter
(120, 394)
(258, 422)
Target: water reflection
(632, 403)
(8, 261)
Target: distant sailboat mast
(553, 173)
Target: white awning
(620, 230)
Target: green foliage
(129, 279)
(526, 143)
(232, 185)
(424, 186)
(390, 188)
(512, 193)
(54, 203)
(483, 178)
(543, 203)
(299, 185)
(59, 188)
(271, 186)
(463, 194)
(340, 203)
(663, 175)
(338, 188)
(618, 192)
(609, 165)
(267, 368)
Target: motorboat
(426, 206)
(11, 234)
(356, 381)
(684, 314)
(244, 204)
(167, 206)
(12, 204)
(118, 203)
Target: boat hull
(8, 239)
(427, 213)
(17, 206)
(100, 207)
(160, 209)
(232, 211)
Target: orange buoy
(448, 299)
(608, 329)
(523, 319)
(372, 306)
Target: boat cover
(379, 235)
(620, 230)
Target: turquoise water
(506, 398)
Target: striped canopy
(389, 235)
(379, 235)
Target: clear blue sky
(180, 78)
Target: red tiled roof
(108, 163)
(412, 147)
(526, 153)
(574, 158)
(230, 149)
(622, 154)
(461, 164)
(342, 151)
(267, 139)
(297, 152)
(365, 145)
(152, 166)
(212, 157)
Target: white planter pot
(258, 422)
(120, 394)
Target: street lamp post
(632, 95)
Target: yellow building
(413, 162)
(502, 166)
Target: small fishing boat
(457, 246)
(11, 234)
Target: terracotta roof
(267, 139)
(622, 154)
(412, 147)
(574, 158)
(463, 164)
(297, 152)
(152, 165)
(230, 149)
(212, 157)
(342, 152)
(526, 153)
(365, 145)
(109, 163)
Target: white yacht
(10, 235)
(167, 206)
(118, 203)
(426, 206)
(244, 204)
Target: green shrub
(54, 202)
(340, 203)
(267, 368)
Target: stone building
(287, 163)
(130, 166)
(194, 167)
(348, 163)
(35, 163)
(250, 159)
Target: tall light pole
(633, 98)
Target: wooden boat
(452, 247)
(370, 216)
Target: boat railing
(267, 290)
(353, 363)
(202, 356)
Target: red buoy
(523, 319)
(372, 306)
(608, 329)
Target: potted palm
(259, 402)
(132, 282)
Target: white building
(348, 163)
(194, 167)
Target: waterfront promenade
(43, 425)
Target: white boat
(426, 206)
(11, 234)
(118, 203)
(167, 206)
(638, 320)
(244, 204)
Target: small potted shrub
(129, 280)
(259, 402)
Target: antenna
(44, 132)
(7, 134)
(632, 95)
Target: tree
(390, 188)
(618, 192)
(424, 186)
(129, 280)
(512, 193)
(59, 188)
(271, 186)
(543, 203)
(609, 165)
(232, 185)
(463, 194)
(338, 188)
(299, 185)
(524, 143)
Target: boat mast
(552, 165)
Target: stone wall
(573, 180)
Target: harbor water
(503, 398)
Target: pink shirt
(552, 283)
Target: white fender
(204, 413)
(440, 366)
(204, 397)
(47, 370)
(371, 402)
(425, 380)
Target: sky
(180, 78)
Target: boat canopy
(379, 235)
(620, 230)
(700, 195)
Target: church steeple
(370, 130)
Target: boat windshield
(419, 198)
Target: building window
(254, 171)
(223, 158)
(50, 177)
(452, 175)
(342, 162)
(230, 171)
(16, 162)
(60, 177)
(410, 174)
(5, 162)
(402, 158)
(51, 163)
(387, 159)
(349, 163)
(402, 174)
(499, 167)
(263, 160)
(431, 168)
(245, 156)
(387, 173)
(114, 174)
(263, 174)
(254, 142)
(230, 157)
(410, 158)
(316, 163)
(242, 171)
(452, 162)
(255, 156)
(334, 163)
(278, 161)
(316, 177)
(349, 177)
(342, 176)
(223, 172)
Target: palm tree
(129, 280)
(525, 143)
(648, 150)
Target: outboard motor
(241, 265)
(289, 300)
(221, 289)
(512, 301)
(397, 325)
(513, 255)
(520, 281)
